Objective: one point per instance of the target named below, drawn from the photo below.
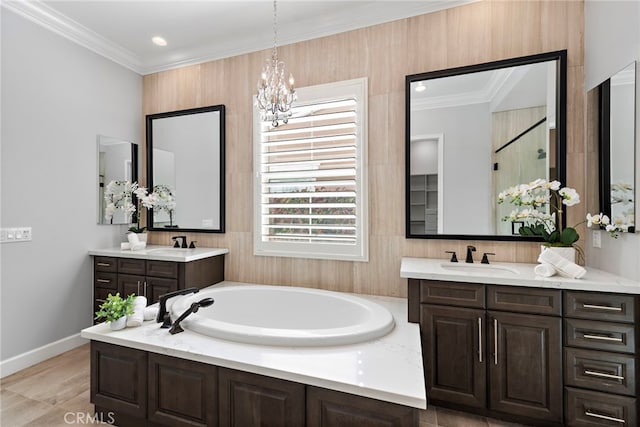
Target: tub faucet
(176, 328)
(470, 250)
(162, 302)
(178, 245)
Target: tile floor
(55, 393)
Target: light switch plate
(15, 234)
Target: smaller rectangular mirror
(617, 147)
(185, 169)
(117, 161)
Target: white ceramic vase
(568, 253)
(142, 237)
(116, 325)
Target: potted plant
(530, 201)
(130, 198)
(115, 310)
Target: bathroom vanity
(154, 271)
(145, 376)
(498, 340)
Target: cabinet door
(454, 354)
(119, 379)
(129, 284)
(156, 286)
(182, 392)
(328, 408)
(254, 400)
(525, 369)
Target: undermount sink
(485, 269)
(168, 251)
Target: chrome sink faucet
(470, 250)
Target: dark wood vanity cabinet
(152, 278)
(495, 350)
(601, 356)
(135, 388)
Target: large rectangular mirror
(117, 163)
(185, 168)
(474, 131)
(617, 147)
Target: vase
(142, 237)
(567, 252)
(116, 325)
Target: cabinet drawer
(162, 269)
(598, 370)
(452, 293)
(103, 263)
(599, 306)
(524, 300)
(599, 335)
(131, 266)
(592, 408)
(106, 280)
(100, 294)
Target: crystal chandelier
(275, 92)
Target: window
(310, 192)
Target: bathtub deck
(389, 368)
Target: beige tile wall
(474, 33)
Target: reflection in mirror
(117, 161)
(473, 132)
(185, 168)
(617, 147)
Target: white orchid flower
(570, 196)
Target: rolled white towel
(139, 246)
(562, 265)
(151, 312)
(125, 246)
(544, 270)
(136, 319)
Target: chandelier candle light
(275, 92)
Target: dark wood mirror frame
(149, 146)
(561, 130)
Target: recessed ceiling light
(157, 40)
(420, 87)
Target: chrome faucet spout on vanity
(470, 250)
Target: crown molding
(48, 18)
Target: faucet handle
(454, 258)
(485, 259)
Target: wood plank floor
(55, 393)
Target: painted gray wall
(56, 97)
(467, 157)
(612, 41)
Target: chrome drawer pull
(103, 280)
(103, 264)
(601, 338)
(603, 417)
(601, 307)
(480, 339)
(603, 375)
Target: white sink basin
(483, 269)
(169, 251)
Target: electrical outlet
(596, 237)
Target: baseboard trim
(37, 355)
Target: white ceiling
(199, 31)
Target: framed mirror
(617, 98)
(117, 163)
(474, 131)
(186, 168)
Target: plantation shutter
(310, 179)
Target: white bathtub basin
(285, 316)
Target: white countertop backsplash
(515, 274)
(161, 253)
(388, 368)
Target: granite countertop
(161, 253)
(515, 274)
(388, 368)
